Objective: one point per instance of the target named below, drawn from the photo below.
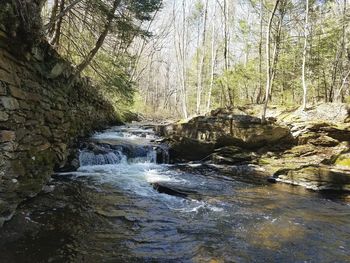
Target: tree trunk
(100, 40)
(306, 33)
(63, 12)
(184, 44)
(268, 62)
(52, 19)
(258, 98)
(338, 97)
(201, 65)
(339, 94)
(226, 52)
(213, 59)
(55, 40)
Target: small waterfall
(144, 154)
(87, 158)
(163, 154)
(123, 146)
(152, 156)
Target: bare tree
(261, 14)
(184, 57)
(306, 33)
(201, 63)
(268, 62)
(213, 59)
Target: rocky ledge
(294, 147)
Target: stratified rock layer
(229, 129)
(299, 148)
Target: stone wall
(41, 116)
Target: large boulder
(312, 166)
(183, 149)
(223, 130)
(318, 177)
(231, 155)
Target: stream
(126, 204)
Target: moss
(182, 121)
(263, 161)
(343, 160)
(8, 19)
(40, 159)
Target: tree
(96, 37)
(107, 27)
(268, 62)
(201, 62)
(306, 28)
(213, 59)
(235, 59)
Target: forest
(167, 131)
(189, 57)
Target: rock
(318, 178)
(7, 136)
(48, 189)
(38, 54)
(18, 118)
(7, 77)
(231, 155)
(163, 189)
(8, 147)
(343, 160)
(300, 166)
(340, 132)
(323, 112)
(18, 93)
(10, 103)
(320, 133)
(3, 88)
(186, 149)
(272, 180)
(24, 105)
(129, 116)
(240, 130)
(305, 137)
(43, 147)
(57, 70)
(45, 131)
(324, 140)
(96, 149)
(3, 116)
(21, 133)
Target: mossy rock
(318, 177)
(301, 150)
(231, 155)
(343, 160)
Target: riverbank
(310, 148)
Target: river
(123, 206)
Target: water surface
(108, 211)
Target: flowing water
(121, 206)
